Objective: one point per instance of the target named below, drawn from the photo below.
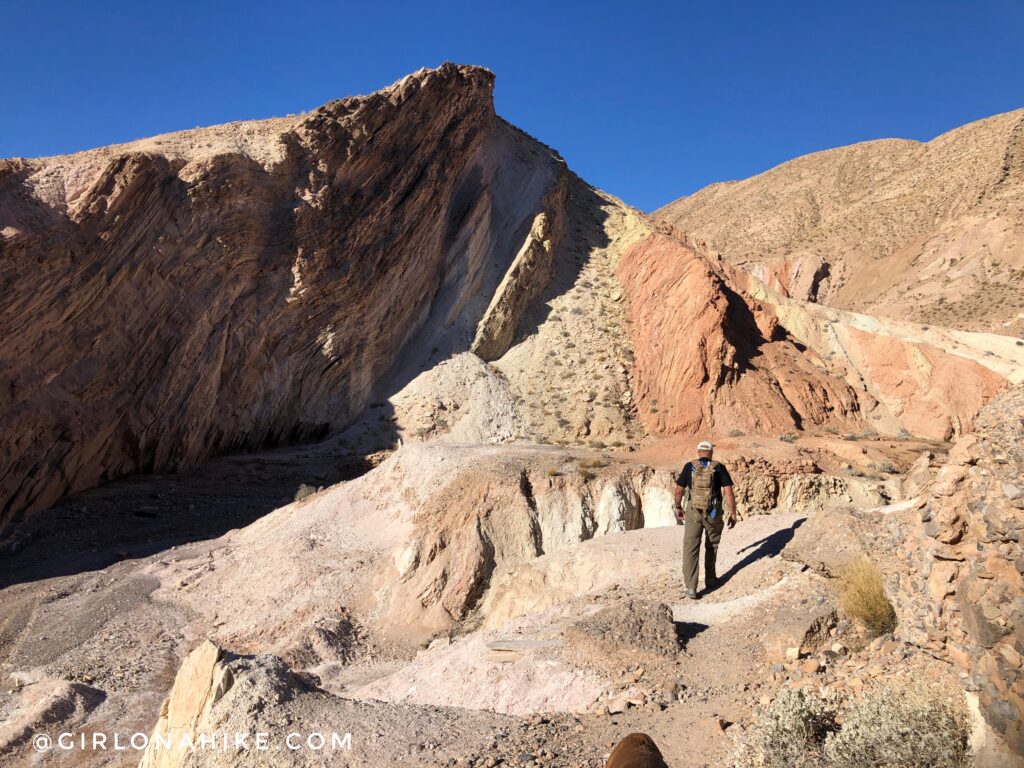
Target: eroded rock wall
(913, 379)
(951, 560)
(971, 563)
(246, 285)
(707, 357)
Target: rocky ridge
(328, 241)
(931, 232)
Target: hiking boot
(692, 594)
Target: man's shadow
(769, 546)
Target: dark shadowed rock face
(244, 285)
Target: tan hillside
(931, 232)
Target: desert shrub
(789, 732)
(862, 597)
(553, 472)
(736, 433)
(901, 724)
(593, 463)
(304, 490)
(919, 724)
(586, 475)
(788, 438)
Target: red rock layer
(707, 358)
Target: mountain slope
(931, 232)
(246, 285)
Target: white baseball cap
(705, 445)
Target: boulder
(827, 541)
(797, 631)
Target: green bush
(304, 490)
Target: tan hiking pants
(696, 526)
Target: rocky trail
(110, 611)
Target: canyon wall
(247, 285)
(708, 358)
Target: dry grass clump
(905, 724)
(862, 597)
(303, 491)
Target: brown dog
(637, 750)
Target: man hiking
(705, 482)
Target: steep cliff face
(708, 357)
(256, 283)
(244, 285)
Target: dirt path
(123, 642)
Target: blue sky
(648, 100)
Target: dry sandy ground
(717, 673)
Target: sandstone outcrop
(201, 682)
(931, 232)
(909, 379)
(260, 283)
(969, 588)
(800, 485)
(708, 359)
(530, 274)
(245, 285)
